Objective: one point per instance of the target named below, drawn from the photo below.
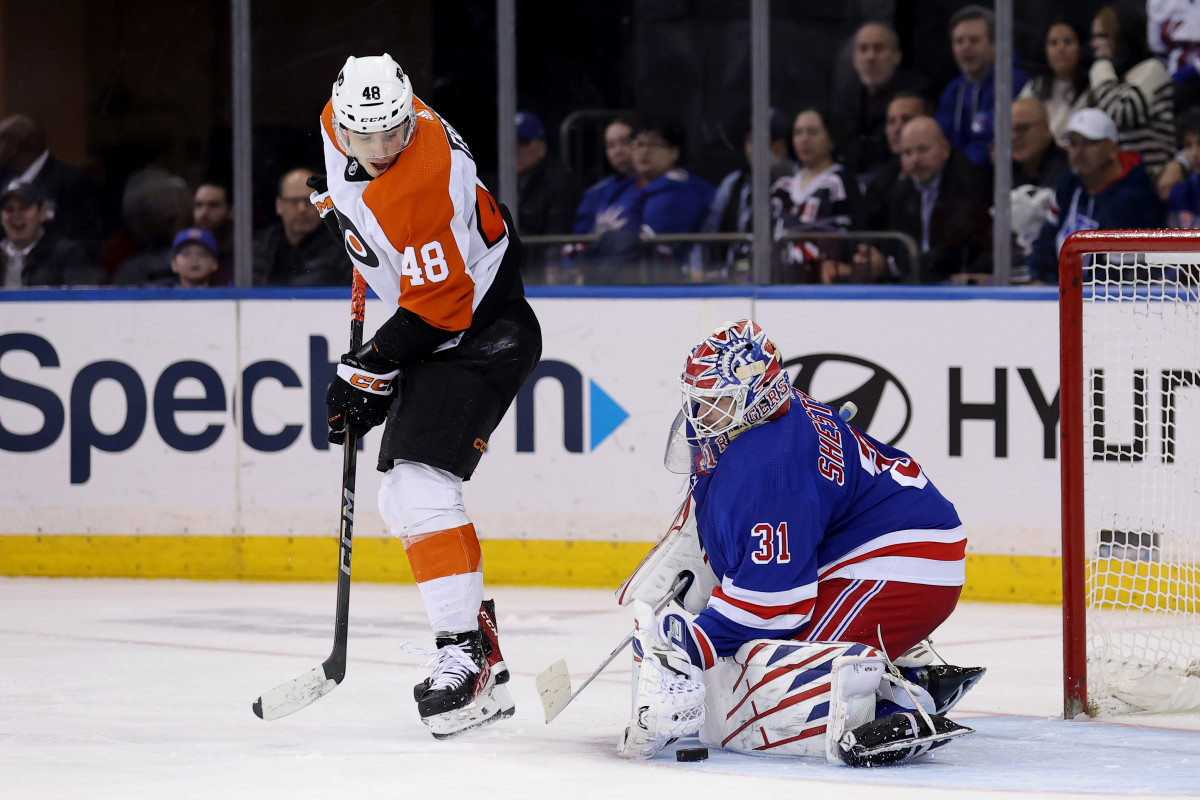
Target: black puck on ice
(691, 754)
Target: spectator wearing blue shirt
(662, 197)
(1183, 204)
(1106, 189)
(966, 110)
(618, 150)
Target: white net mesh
(1141, 404)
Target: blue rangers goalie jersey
(805, 498)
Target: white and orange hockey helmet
(373, 109)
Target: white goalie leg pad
(852, 697)
(669, 698)
(676, 553)
(777, 697)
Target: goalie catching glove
(359, 397)
(670, 687)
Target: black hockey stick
(297, 693)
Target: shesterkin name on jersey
(830, 463)
(426, 234)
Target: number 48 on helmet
(373, 110)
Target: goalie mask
(732, 381)
(373, 112)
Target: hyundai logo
(884, 407)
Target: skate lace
(451, 664)
(893, 676)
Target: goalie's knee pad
(791, 698)
(416, 499)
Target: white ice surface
(142, 689)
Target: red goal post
(1129, 314)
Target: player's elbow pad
(406, 337)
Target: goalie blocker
(838, 700)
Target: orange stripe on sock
(450, 552)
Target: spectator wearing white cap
(1105, 189)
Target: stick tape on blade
(554, 687)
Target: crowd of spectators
(168, 234)
(1105, 134)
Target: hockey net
(1130, 411)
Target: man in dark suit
(863, 106)
(943, 202)
(877, 195)
(31, 255)
(72, 205)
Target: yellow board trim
(507, 562)
(1119, 583)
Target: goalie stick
(554, 682)
(290, 697)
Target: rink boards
(149, 433)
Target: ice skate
(466, 689)
(945, 683)
(896, 738)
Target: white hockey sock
(452, 602)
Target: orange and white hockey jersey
(425, 235)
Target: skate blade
(489, 707)
(904, 744)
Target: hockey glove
(320, 192)
(324, 204)
(669, 688)
(360, 395)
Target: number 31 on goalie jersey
(772, 544)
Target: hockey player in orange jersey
(435, 246)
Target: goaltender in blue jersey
(816, 552)
(811, 524)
